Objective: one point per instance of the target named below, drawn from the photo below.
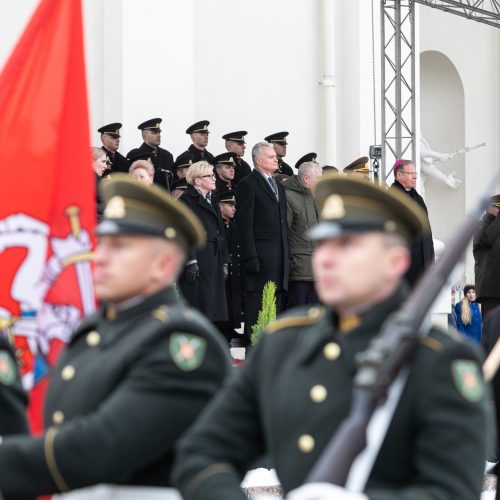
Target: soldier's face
(226, 172)
(356, 271)
(110, 142)
(236, 147)
(126, 267)
(152, 137)
(280, 149)
(227, 210)
(200, 139)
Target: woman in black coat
(202, 282)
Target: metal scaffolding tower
(398, 67)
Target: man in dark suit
(110, 138)
(199, 137)
(162, 159)
(422, 250)
(278, 140)
(261, 218)
(136, 373)
(235, 143)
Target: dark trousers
(253, 303)
(301, 293)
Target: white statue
(429, 158)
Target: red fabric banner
(47, 207)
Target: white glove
(323, 491)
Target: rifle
(390, 351)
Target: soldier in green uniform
(135, 374)
(296, 388)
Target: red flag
(47, 209)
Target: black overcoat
(261, 219)
(207, 293)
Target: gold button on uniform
(93, 338)
(318, 393)
(331, 351)
(68, 372)
(58, 417)
(306, 443)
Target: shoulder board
(312, 316)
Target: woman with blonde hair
(202, 282)
(469, 320)
(143, 171)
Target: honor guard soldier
(199, 137)
(359, 167)
(136, 373)
(235, 143)
(110, 138)
(227, 206)
(225, 171)
(278, 140)
(306, 158)
(291, 395)
(13, 399)
(150, 150)
(181, 165)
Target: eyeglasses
(212, 176)
(413, 174)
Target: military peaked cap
(198, 127)
(227, 197)
(225, 159)
(360, 165)
(136, 208)
(153, 124)
(185, 160)
(111, 129)
(350, 205)
(279, 137)
(495, 200)
(179, 184)
(306, 158)
(236, 136)
(329, 168)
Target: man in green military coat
(134, 375)
(296, 388)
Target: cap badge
(333, 207)
(115, 209)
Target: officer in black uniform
(294, 391)
(13, 399)
(306, 158)
(161, 159)
(181, 165)
(110, 138)
(199, 137)
(179, 187)
(224, 168)
(234, 290)
(235, 143)
(278, 140)
(359, 167)
(135, 374)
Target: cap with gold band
(152, 124)
(350, 205)
(278, 138)
(112, 129)
(238, 136)
(200, 127)
(306, 158)
(225, 159)
(227, 197)
(495, 200)
(136, 208)
(360, 165)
